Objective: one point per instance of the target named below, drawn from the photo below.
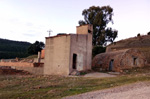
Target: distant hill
(12, 49)
(135, 42)
(142, 43)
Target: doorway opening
(74, 61)
(111, 65)
(134, 61)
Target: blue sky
(29, 20)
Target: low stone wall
(32, 70)
(19, 64)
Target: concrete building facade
(67, 53)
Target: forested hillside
(12, 49)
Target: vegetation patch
(12, 49)
(55, 87)
(137, 70)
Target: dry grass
(55, 87)
(135, 42)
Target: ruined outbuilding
(67, 53)
(141, 43)
(118, 60)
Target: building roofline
(63, 35)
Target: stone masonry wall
(22, 64)
(33, 68)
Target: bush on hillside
(138, 34)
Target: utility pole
(49, 31)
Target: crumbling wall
(26, 65)
(32, 70)
(21, 64)
(141, 43)
(42, 54)
(122, 59)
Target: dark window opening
(74, 61)
(134, 61)
(89, 31)
(111, 65)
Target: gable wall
(57, 55)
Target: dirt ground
(139, 90)
(10, 71)
(99, 75)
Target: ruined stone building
(124, 54)
(141, 43)
(67, 53)
(118, 60)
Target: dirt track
(133, 91)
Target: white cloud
(29, 20)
